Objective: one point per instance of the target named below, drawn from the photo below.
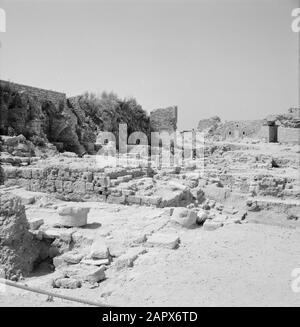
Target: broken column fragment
(71, 216)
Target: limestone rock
(99, 249)
(185, 217)
(201, 216)
(164, 240)
(127, 259)
(18, 248)
(211, 225)
(70, 283)
(34, 224)
(72, 257)
(71, 216)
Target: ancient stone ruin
(73, 216)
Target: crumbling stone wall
(289, 135)
(240, 128)
(70, 184)
(209, 124)
(43, 94)
(164, 119)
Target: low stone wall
(70, 184)
(289, 135)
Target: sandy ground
(237, 265)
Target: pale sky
(234, 58)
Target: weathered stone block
(79, 187)
(151, 200)
(99, 249)
(59, 233)
(35, 185)
(67, 186)
(87, 176)
(89, 187)
(134, 199)
(73, 216)
(185, 217)
(72, 257)
(35, 224)
(116, 199)
(164, 240)
(58, 186)
(38, 173)
(25, 173)
(210, 225)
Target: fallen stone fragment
(254, 207)
(164, 240)
(35, 224)
(99, 249)
(83, 240)
(138, 238)
(210, 225)
(220, 218)
(70, 216)
(84, 273)
(115, 248)
(185, 217)
(93, 275)
(127, 259)
(168, 211)
(201, 216)
(72, 257)
(59, 233)
(230, 210)
(177, 186)
(59, 262)
(70, 283)
(95, 262)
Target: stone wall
(289, 135)
(42, 94)
(70, 184)
(240, 128)
(164, 119)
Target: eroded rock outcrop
(18, 249)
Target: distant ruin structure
(164, 119)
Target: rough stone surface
(211, 225)
(164, 240)
(73, 216)
(99, 249)
(18, 249)
(185, 217)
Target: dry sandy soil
(247, 264)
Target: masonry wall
(240, 128)
(289, 135)
(71, 184)
(41, 94)
(164, 119)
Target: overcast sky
(232, 58)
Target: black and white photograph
(149, 156)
